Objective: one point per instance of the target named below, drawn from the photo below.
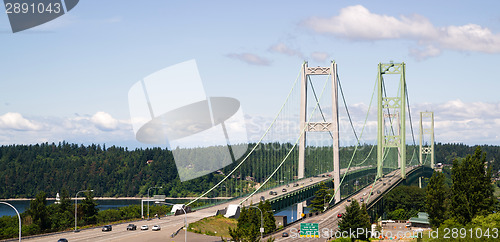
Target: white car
(144, 227)
(156, 228)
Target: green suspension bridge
(313, 139)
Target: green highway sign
(309, 230)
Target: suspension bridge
(314, 140)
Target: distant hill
(26, 170)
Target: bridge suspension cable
(254, 148)
(302, 132)
(356, 146)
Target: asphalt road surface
(171, 224)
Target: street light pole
(76, 207)
(149, 199)
(324, 202)
(185, 219)
(261, 222)
(18, 216)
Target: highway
(328, 221)
(171, 224)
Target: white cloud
(319, 56)
(250, 59)
(424, 53)
(16, 121)
(284, 49)
(358, 23)
(104, 121)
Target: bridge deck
(329, 220)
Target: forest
(25, 170)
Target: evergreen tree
(472, 191)
(435, 203)
(267, 213)
(247, 229)
(38, 211)
(89, 208)
(355, 217)
(320, 198)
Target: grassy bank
(215, 226)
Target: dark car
(348, 200)
(62, 240)
(361, 200)
(285, 234)
(284, 190)
(262, 198)
(131, 227)
(378, 192)
(107, 228)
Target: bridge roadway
(170, 224)
(329, 219)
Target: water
(103, 204)
(291, 213)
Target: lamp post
(76, 207)
(18, 216)
(148, 198)
(324, 202)
(185, 218)
(261, 222)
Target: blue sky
(69, 79)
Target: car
(322, 175)
(262, 198)
(285, 234)
(144, 227)
(131, 227)
(284, 190)
(271, 192)
(364, 194)
(296, 185)
(62, 240)
(107, 228)
(378, 192)
(310, 180)
(275, 193)
(339, 215)
(371, 193)
(383, 184)
(156, 228)
(362, 200)
(348, 200)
